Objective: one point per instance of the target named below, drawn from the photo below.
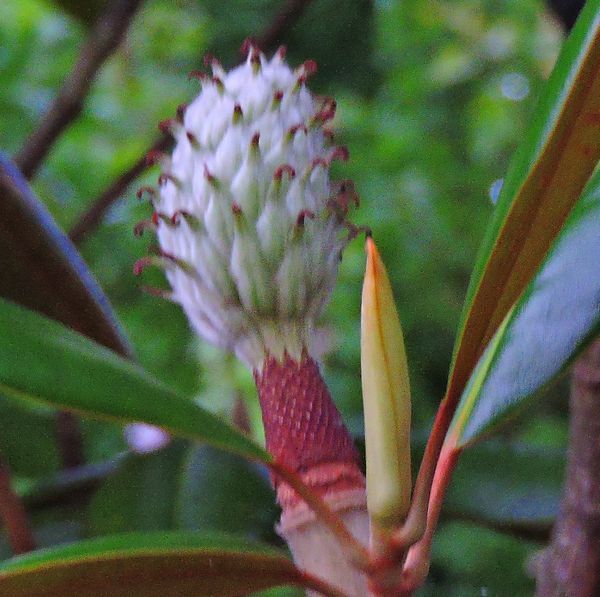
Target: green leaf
(19, 422)
(211, 478)
(44, 362)
(546, 177)
(549, 325)
(141, 494)
(507, 486)
(147, 565)
(41, 269)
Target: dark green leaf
(549, 325)
(547, 175)
(44, 362)
(141, 495)
(42, 270)
(211, 477)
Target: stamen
(238, 115)
(165, 176)
(305, 213)
(340, 153)
(277, 97)
(162, 293)
(210, 177)
(181, 108)
(198, 75)
(278, 175)
(138, 229)
(192, 139)
(146, 189)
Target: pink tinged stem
(417, 561)
(316, 471)
(13, 515)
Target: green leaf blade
(546, 177)
(44, 362)
(558, 312)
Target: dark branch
(92, 217)
(567, 11)
(102, 41)
(13, 515)
(281, 24)
(570, 565)
(69, 439)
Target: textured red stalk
(304, 430)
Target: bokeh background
(433, 97)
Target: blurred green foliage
(432, 100)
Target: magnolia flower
(251, 232)
(250, 227)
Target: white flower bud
(247, 218)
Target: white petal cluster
(249, 227)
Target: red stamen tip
(141, 264)
(166, 126)
(247, 45)
(210, 60)
(340, 153)
(309, 67)
(281, 51)
(210, 177)
(198, 75)
(181, 108)
(305, 213)
(236, 209)
(192, 138)
(146, 189)
(154, 156)
(278, 175)
(255, 140)
(177, 215)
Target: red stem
(13, 515)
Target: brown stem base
(570, 566)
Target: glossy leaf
(141, 494)
(147, 565)
(386, 397)
(549, 325)
(41, 269)
(210, 477)
(44, 362)
(507, 487)
(545, 179)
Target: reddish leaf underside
(208, 573)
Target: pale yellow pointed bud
(386, 397)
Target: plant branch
(103, 39)
(91, 218)
(69, 439)
(13, 514)
(570, 565)
(281, 24)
